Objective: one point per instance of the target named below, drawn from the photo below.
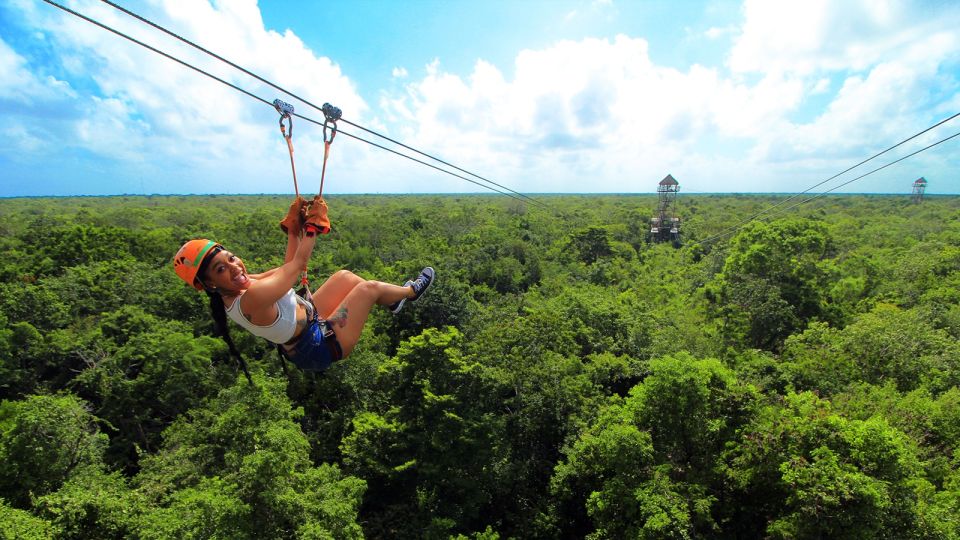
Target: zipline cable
(737, 226)
(818, 195)
(284, 90)
(235, 87)
(262, 100)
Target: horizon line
(480, 193)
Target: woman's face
(227, 273)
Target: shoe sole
(402, 301)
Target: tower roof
(669, 180)
(919, 182)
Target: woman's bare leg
(350, 316)
(334, 290)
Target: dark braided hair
(219, 313)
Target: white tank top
(281, 330)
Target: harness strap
(323, 170)
(286, 111)
(330, 339)
(330, 116)
(293, 167)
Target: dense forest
(563, 378)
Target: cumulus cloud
(717, 32)
(596, 107)
(893, 67)
(16, 76)
(592, 106)
(20, 84)
(25, 91)
(805, 87)
(804, 37)
(821, 86)
(139, 104)
(602, 109)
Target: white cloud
(18, 139)
(820, 87)
(15, 75)
(874, 109)
(588, 115)
(886, 103)
(601, 109)
(25, 94)
(19, 84)
(805, 37)
(147, 106)
(595, 107)
(717, 32)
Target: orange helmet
(187, 261)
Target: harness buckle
(330, 339)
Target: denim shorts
(317, 347)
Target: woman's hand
(317, 216)
(294, 220)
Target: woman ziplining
(312, 332)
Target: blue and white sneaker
(422, 283)
(420, 286)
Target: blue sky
(539, 96)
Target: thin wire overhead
(304, 100)
(270, 104)
(818, 195)
(509, 192)
(739, 225)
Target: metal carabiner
(330, 116)
(286, 110)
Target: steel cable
(304, 100)
(262, 100)
(737, 226)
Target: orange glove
(294, 220)
(317, 220)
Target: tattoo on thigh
(340, 317)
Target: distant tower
(663, 226)
(918, 186)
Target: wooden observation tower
(918, 188)
(663, 226)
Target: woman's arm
(262, 275)
(293, 242)
(276, 283)
(292, 224)
(271, 285)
